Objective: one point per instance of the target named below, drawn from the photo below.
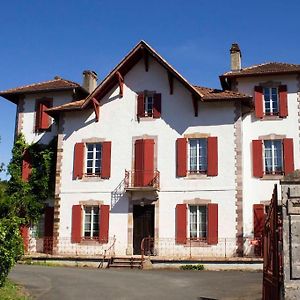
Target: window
(197, 222)
(271, 102)
(91, 222)
(93, 159)
(42, 120)
(149, 105)
(197, 155)
(273, 157)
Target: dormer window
(148, 105)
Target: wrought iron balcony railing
(142, 179)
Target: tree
(11, 245)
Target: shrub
(192, 267)
(11, 245)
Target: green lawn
(11, 291)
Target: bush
(192, 267)
(11, 245)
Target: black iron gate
(272, 249)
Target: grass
(192, 267)
(12, 291)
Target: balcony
(141, 180)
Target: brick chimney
(235, 57)
(89, 80)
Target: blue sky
(41, 39)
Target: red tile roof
(67, 106)
(56, 84)
(265, 69)
(210, 94)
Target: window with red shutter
(258, 99)
(212, 156)
(78, 160)
(144, 162)
(212, 224)
(288, 156)
(181, 223)
(43, 120)
(257, 158)
(181, 157)
(106, 160)
(157, 106)
(104, 224)
(149, 105)
(283, 105)
(76, 233)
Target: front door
(143, 225)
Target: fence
(162, 247)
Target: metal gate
(272, 249)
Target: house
(147, 154)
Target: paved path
(66, 283)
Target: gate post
(290, 189)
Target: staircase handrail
(105, 251)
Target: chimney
(89, 80)
(235, 57)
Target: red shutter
(24, 231)
(212, 156)
(181, 160)
(42, 118)
(78, 160)
(45, 119)
(140, 105)
(288, 156)
(181, 224)
(257, 158)
(106, 159)
(26, 166)
(212, 228)
(139, 163)
(283, 105)
(76, 224)
(258, 220)
(103, 224)
(148, 162)
(258, 98)
(157, 106)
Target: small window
(91, 222)
(148, 106)
(273, 157)
(271, 103)
(93, 159)
(197, 222)
(197, 160)
(42, 120)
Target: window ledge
(87, 241)
(147, 118)
(197, 243)
(272, 177)
(197, 176)
(91, 178)
(271, 118)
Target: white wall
(118, 123)
(28, 129)
(256, 190)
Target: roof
(268, 68)
(141, 50)
(57, 84)
(67, 106)
(210, 94)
